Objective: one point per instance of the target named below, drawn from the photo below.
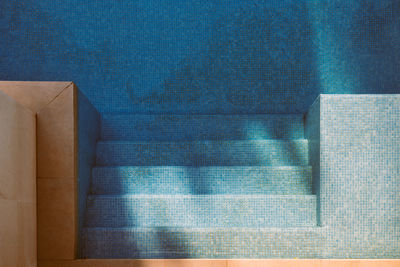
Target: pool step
(277, 180)
(169, 242)
(204, 153)
(201, 211)
(135, 127)
(201, 186)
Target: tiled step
(204, 153)
(202, 211)
(202, 180)
(150, 243)
(201, 127)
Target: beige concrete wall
(17, 184)
(54, 104)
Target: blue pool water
(205, 145)
(206, 56)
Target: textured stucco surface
(204, 56)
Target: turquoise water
(204, 56)
(143, 63)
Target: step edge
(255, 229)
(181, 196)
(238, 167)
(114, 142)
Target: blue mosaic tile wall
(312, 132)
(208, 56)
(359, 189)
(88, 134)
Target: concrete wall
(17, 184)
(204, 56)
(359, 178)
(65, 137)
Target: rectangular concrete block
(56, 136)
(27, 234)
(56, 218)
(17, 184)
(18, 151)
(33, 95)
